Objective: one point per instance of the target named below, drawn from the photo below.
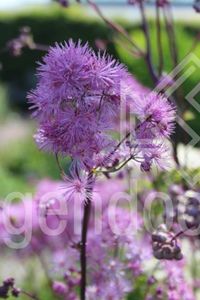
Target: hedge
(52, 23)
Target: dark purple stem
(116, 27)
(83, 252)
(29, 295)
(159, 41)
(171, 34)
(148, 55)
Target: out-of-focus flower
(178, 286)
(64, 3)
(133, 2)
(101, 44)
(25, 39)
(108, 274)
(16, 292)
(60, 288)
(196, 6)
(162, 3)
(151, 280)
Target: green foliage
(3, 102)
(140, 289)
(22, 165)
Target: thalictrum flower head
(76, 100)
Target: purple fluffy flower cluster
(118, 255)
(110, 275)
(77, 96)
(78, 100)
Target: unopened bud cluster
(164, 244)
(8, 288)
(189, 209)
